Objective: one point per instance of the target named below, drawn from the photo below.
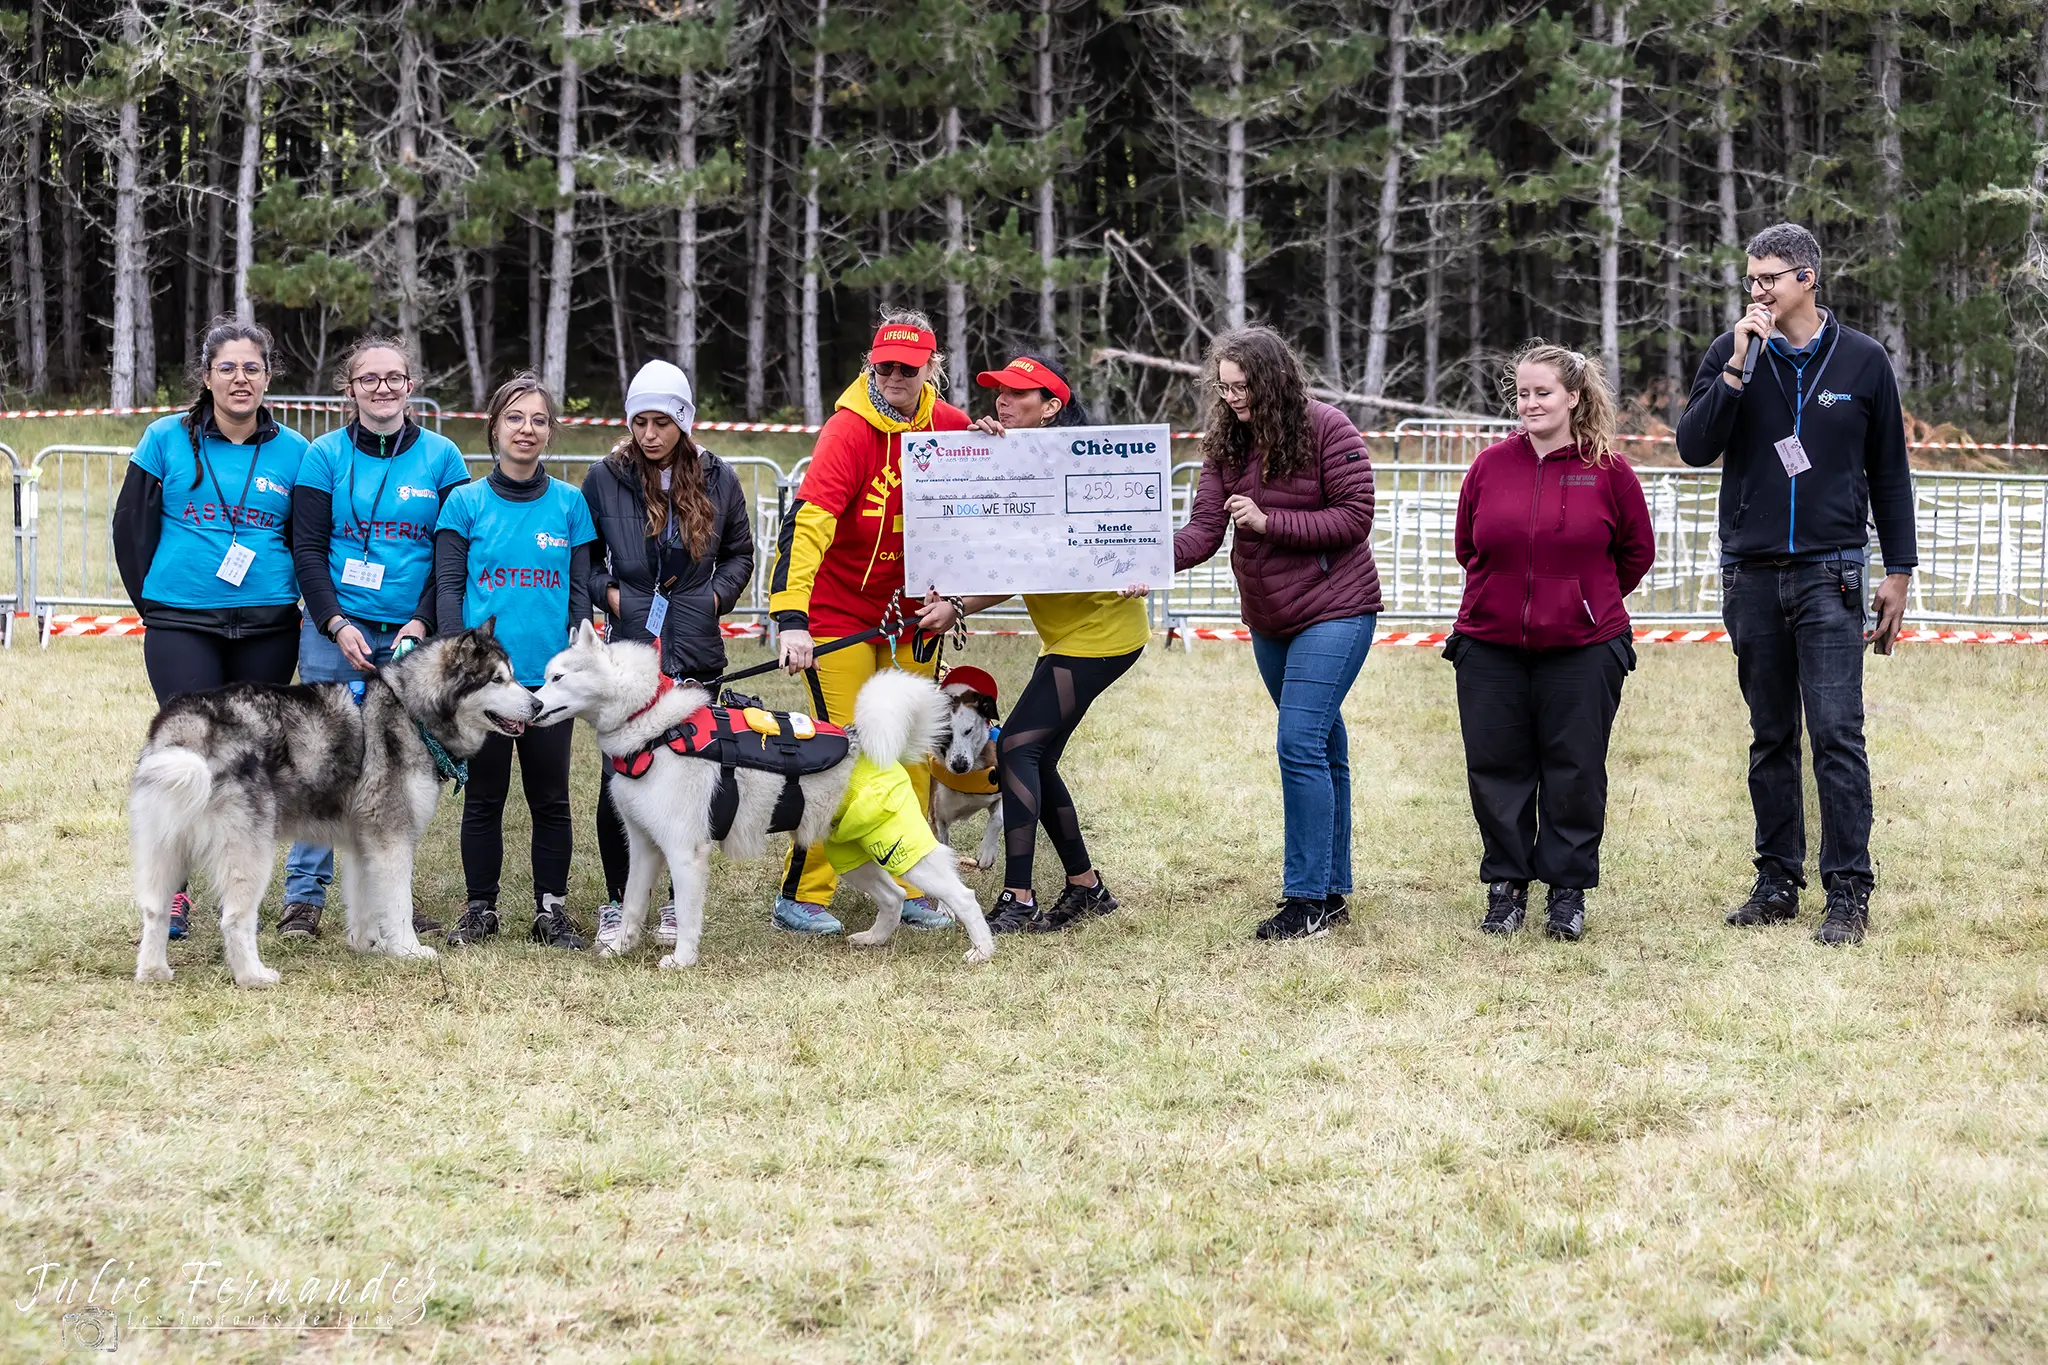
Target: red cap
(903, 343)
(1026, 374)
(968, 675)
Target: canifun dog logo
(406, 490)
(921, 452)
(1828, 400)
(548, 542)
(263, 483)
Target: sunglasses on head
(896, 369)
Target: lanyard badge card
(365, 573)
(1792, 455)
(234, 565)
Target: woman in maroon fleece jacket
(1553, 534)
(1293, 477)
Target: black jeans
(181, 661)
(1798, 636)
(1536, 724)
(1035, 734)
(614, 850)
(544, 773)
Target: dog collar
(979, 782)
(661, 689)
(447, 767)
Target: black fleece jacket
(1851, 427)
(451, 560)
(313, 532)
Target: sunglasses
(896, 369)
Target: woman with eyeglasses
(839, 566)
(1291, 477)
(200, 533)
(674, 551)
(363, 515)
(513, 548)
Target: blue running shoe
(801, 918)
(181, 915)
(920, 913)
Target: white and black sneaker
(1507, 905)
(611, 927)
(665, 926)
(1299, 917)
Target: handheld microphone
(1749, 361)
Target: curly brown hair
(1277, 387)
(686, 493)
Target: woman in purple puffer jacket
(1293, 477)
(1553, 533)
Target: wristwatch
(1731, 368)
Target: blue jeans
(308, 868)
(1797, 629)
(1308, 675)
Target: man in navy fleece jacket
(1814, 447)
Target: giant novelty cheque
(1053, 509)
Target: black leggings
(1035, 734)
(544, 773)
(612, 844)
(181, 661)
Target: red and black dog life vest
(721, 735)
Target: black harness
(720, 734)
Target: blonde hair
(911, 317)
(1594, 418)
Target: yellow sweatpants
(840, 675)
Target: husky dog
(225, 774)
(964, 762)
(666, 809)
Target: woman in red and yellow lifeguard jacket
(839, 565)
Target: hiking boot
(665, 926)
(424, 924)
(1848, 913)
(552, 927)
(301, 920)
(920, 913)
(479, 921)
(611, 927)
(1507, 905)
(801, 917)
(1566, 908)
(1773, 900)
(181, 915)
(1299, 917)
(1010, 915)
(1076, 903)
(1336, 913)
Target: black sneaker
(1848, 913)
(479, 921)
(1773, 900)
(301, 920)
(1335, 912)
(552, 927)
(1299, 917)
(1566, 908)
(425, 924)
(1507, 905)
(1009, 915)
(1075, 903)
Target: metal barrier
(1435, 440)
(314, 415)
(16, 565)
(71, 538)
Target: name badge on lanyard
(361, 573)
(234, 565)
(657, 613)
(1792, 455)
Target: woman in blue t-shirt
(514, 547)
(199, 533)
(363, 516)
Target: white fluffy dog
(667, 808)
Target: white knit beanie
(661, 387)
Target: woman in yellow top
(1088, 641)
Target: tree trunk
(1732, 305)
(37, 159)
(1884, 61)
(1483, 395)
(536, 300)
(1380, 318)
(562, 266)
(252, 152)
(686, 230)
(127, 226)
(472, 353)
(1333, 265)
(1674, 282)
(2039, 176)
(813, 391)
(1610, 208)
(760, 238)
(1233, 193)
(405, 227)
(487, 314)
(956, 286)
(216, 278)
(1433, 302)
(620, 350)
(1048, 298)
(71, 259)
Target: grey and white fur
(226, 774)
(966, 747)
(667, 810)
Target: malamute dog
(666, 804)
(964, 762)
(225, 774)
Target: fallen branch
(1153, 362)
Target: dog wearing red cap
(964, 767)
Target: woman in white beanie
(674, 552)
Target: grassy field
(1150, 1139)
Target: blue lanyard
(255, 450)
(368, 528)
(1799, 401)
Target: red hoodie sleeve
(1468, 500)
(1345, 519)
(1197, 541)
(1635, 540)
